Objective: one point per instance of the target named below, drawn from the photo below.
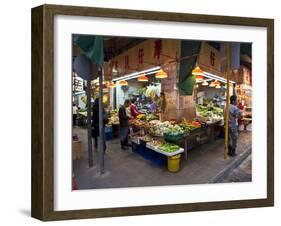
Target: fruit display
(137, 122)
(189, 127)
(209, 112)
(196, 124)
(146, 138)
(155, 143)
(140, 116)
(113, 118)
(158, 128)
(147, 117)
(174, 130)
(152, 91)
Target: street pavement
(128, 169)
(242, 173)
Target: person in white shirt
(74, 114)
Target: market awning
(186, 80)
(92, 47)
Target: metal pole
(89, 124)
(101, 126)
(227, 99)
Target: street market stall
(180, 95)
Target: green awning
(186, 80)
(92, 46)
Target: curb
(239, 159)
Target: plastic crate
(145, 152)
(135, 147)
(158, 159)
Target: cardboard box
(77, 150)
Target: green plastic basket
(173, 138)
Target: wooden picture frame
(43, 109)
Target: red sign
(212, 58)
(140, 56)
(127, 62)
(157, 49)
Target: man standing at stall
(234, 114)
(124, 125)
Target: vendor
(152, 105)
(134, 109)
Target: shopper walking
(234, 114)
(124, 124)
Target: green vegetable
(168, 147)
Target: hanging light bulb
(198, 79)
(218, 86)
(161, 74)
(215, 83)
(111, 85)
(205, 83)
(197, 71)
(143, 78)
(212, 84)
(123, 83)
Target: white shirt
(75, 110)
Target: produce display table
(190, 136)
(211, 127)
(181, 150)
(198, 132)
(152, 153)
(193, 134)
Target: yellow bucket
(174, 163)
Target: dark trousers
(96, 141)
(124, 133)
(233, 137)
(74, 118)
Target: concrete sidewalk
(205, 164)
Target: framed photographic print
(142, 112)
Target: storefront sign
(148, 54)
(77, 84)
(246, 76)
(209, 57)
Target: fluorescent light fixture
(212, 76)
(137, 74)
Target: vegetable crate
(158, 159)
